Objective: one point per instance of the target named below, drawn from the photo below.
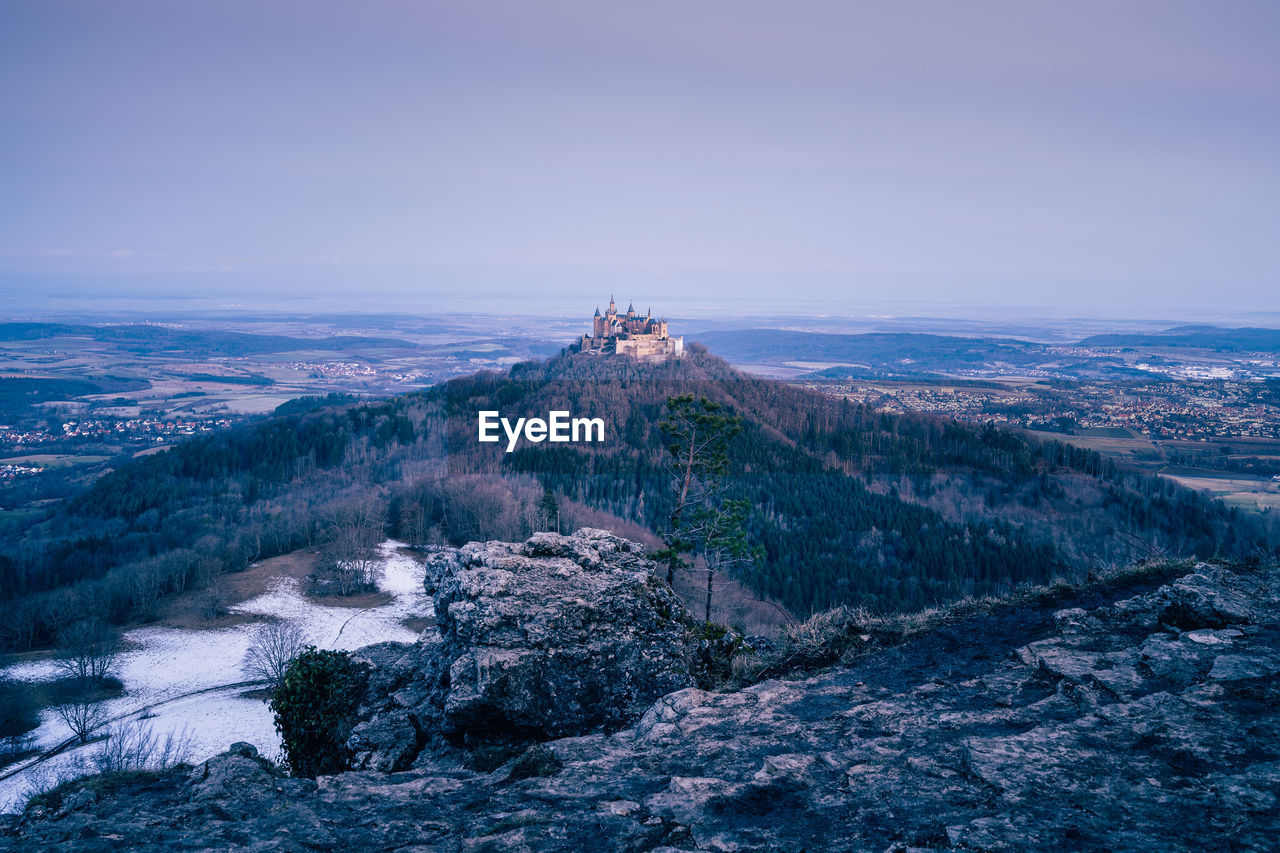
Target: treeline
(168, 500)
(174, 523)
(22, 397)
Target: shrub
(131, 754)
(47, 795)
(18, 711)
(833, 636)
(213, 599)
(714, 648)
(315, 707)
(827, 637)
(536, 761)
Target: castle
(642, 338)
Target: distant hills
(146, 338)
(909, 351)
(1199, 337)
(904, 353)
(907, 354)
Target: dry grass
(359, 601)
(418, 623)
(732, 603)
(843, 635)
(184, 611)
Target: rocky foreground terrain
(1141, 714)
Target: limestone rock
(1202, 600)
(1239, 667)
(1085, 724)
(553, 637)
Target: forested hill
(890, 511)
(850, 505)
(1196, 337)
(903, 351)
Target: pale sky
(1085, 154)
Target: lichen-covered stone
(552, 637)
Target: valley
(192, 521)
(84, 394)
(639, 428)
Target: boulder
(1241, 667)
(552, 637)
(1205, 599)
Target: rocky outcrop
(552, 637)
(1128, 718)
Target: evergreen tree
(549, 510)
(697, 433)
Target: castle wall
(647, 348)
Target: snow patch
(186, 681)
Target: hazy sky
(1080, 154)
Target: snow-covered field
(180, 680)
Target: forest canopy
(850, 505)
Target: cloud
(123, 253)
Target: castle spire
(597, 310)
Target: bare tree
(89, 649)
(354, 571)
(476, 509)
(213, 599)
(14, 746)
(356, 527)
(134, 745)
(144, 593)
(81, 717)
(273, 648)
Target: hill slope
(852, 506)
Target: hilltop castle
(642, 338)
